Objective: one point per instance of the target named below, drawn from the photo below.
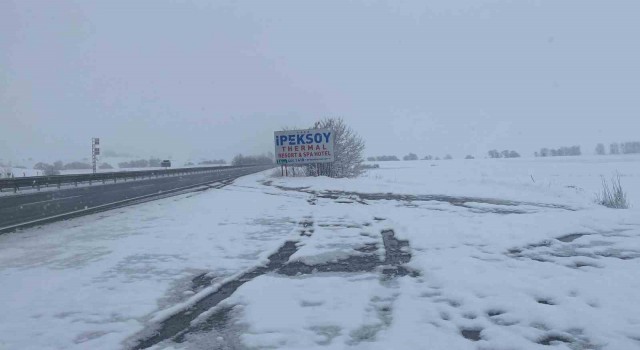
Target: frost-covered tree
(469, 157)
(348, 150)
(600, 150)
(448, 157)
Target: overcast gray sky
(215, 78)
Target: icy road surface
(482, 254)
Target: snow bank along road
(414, 255)
(39, 207)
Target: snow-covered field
(462, 254)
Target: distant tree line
(560, 152)
(504, 154)
(251, 160)
(619, 148)
(410, 156)
(213, 162)
(56, 167)
(383, 159)
(77, 165)
(141, 163)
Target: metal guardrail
(37, 182)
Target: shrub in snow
(612, 196)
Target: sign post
(95, 152)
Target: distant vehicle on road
(166, 163)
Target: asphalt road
(39, 206)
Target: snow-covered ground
(462, 254)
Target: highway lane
(24, 208)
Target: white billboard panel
(297, 147)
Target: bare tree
(600, 150)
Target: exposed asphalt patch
(178, 326)
(554, 339)
(571, 237)
(565, 247)
(471, 334)
(179, 323)
(396, 254)
(465, 202)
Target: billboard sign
(297, 147)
